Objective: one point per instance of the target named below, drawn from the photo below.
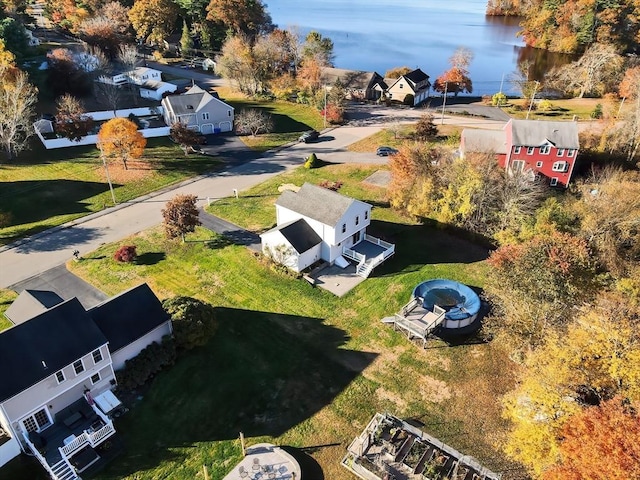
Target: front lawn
(289, 119)
(44, 189)
(6, 299)
(295, 365)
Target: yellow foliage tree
(597, 359)
(153, 20)
(119, 138)
(6, 57)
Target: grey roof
(318, 203)
(128, 316)
(31, 303)
(299, 234)
(353, 79)
(484, 141)
(192, 101)
(416, 76)
(534, 133)
(36, 349)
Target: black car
(309, 136)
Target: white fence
(102, 116)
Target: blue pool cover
(457, 299)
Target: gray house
(358, 85)
(198, 110)
(57, 368)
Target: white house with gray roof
(316, 223)
(198, 110)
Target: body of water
(376, 35)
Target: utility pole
(533, 95)
(325, 105)
(106, 169)
(444, 101)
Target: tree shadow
(31, 201)
(150, 258)
(417, 245)
(310, 468)
(262, 373)
(54, 239)
(218, 243)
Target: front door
(355, 238)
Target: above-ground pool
(460, 302)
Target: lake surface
(382, 34)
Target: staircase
(64, 471)
(364, 269)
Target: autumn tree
(120, 139)
(238, 63)
(17, 100)
(108, 93)
(14, 36)
(535, 285)
(318, 48)
(596, 359)
(71, 121)
(186, 42)
(6, 57)
(66, 14)
(243, 17)
(425, 128)
(153, 20)
(102, 33)
(397, 72)
(117, 14)
(456, 79)
(600, 443)
(64, 75)
(183, 136)
(180, 216)
(624, 135)
(593, 74)
(253, 121)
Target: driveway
(65, 284)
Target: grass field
(289, 119)
(6, 298)
(389, 138)
(579, 108)
(295, 365)
(43, 189)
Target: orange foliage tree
(119, 138)
(600, 443)
(456, 79)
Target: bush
(408, 100)
(157, 55)
(311, 161)
(545, 106)
(499, 99)
(334, 186)
(126, 253)
(139, 369)
(597, 111)
(194, 321)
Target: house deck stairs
(64, 471)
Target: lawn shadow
(150, 258)
(262, 373)
(31, 201)
(417, 245)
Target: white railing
(353, 255)
(91, 438)
(377, 241)
(37, 454)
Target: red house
(536, 146)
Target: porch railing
(377, 241)
(38, 455)
(353, 255)
(90, 438)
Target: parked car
(309, 136)
(386, 151)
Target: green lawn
(295, 365)
(6, 298)
(43, 189)
(389, 138)
(289, 119)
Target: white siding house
(198, 110)
(414, 84)
(148, 79)
(338, 222)
(53, 364)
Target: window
(366, 215)
(95, 378)
(78, 366)
(530, 150)
(561, 152)
(344, 227)
(545, 149)
(554, 181)
(538, 164)
(560, 167)
(205, 115)
(571, 152)
(97, 356)
(228, 113)
(517, 149)
(517, 166)
(60, 376)
(357, 220)
(37, 422)
(400, 85)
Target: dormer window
(571, 152)
(545, 149)
(517, 149)
(560, 152)
(60, 376)
(530, 150)
(78, 366)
